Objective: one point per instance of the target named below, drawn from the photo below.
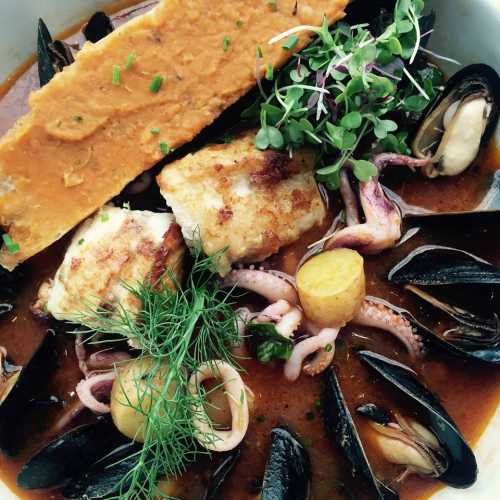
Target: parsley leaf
(267, 343)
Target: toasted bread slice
(86, 138)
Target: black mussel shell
(487, 353)
(16, 403)
(342, 432)
(462, 468)
(98, 26)
(220, 474)
(105, 477)
(438, 265)
(470, 82)
(288, 468)
(69, 455)
(476, 336)
(375, 413)
(473, 78)
(53, 55)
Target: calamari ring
(208, 437)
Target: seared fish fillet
(252, 202)
(113, 248)
(86, 138)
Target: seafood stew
(274, 309)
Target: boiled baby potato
(135, 389)
(331, 287)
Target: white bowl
(466, 30)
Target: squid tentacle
(270, 286)
(378, 315)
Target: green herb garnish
(9, 244)
(273, 4)
(182, 328)
(239, 23)
(164, 148)
(269, 72)
(81, 241)
(131, 58)
(155, 130)
(226, 41)
(259, 53)
(291, 42)
(116, 75)
(156, 84)
(267, 343)
(104, 217)
(345, 88)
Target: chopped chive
(155, 130)
(273, 4)
(291, 42)
(328, 347)
(116, 78)
(164, 147)
(269, 72)
(259, 52)
(10, 245)
(130, 60)
(239, 23)
(80, 241)
(104, 217)
(126, 205)
(78, 118)
(156, 84)
(226, 42)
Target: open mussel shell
(487, 351)
(288, 468)
(475, 337)
(17, 400)
(69, 455)
(461, 471)
(53, 55)
(439, 265)
(342, 432)
(460, 122)
(105, 478)
(220, 474)
(98, 26)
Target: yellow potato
(331, 287)
(135, 389)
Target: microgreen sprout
(349, 86)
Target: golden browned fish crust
(252, 202)
(114, 249)
(86, 138)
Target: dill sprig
(181, 329)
